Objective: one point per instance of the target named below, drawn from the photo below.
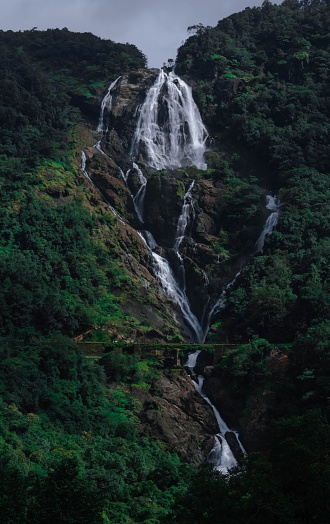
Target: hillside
(104, 240)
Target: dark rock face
(128, 94)
(178, 416)
(106, 175)
(218, 392)
(252, 422)
(202, 253)
(234, 445)
(163, 204)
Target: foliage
(261, 78)
(290, 487)
(123, 366)
(71, 450)
(70, 447)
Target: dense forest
(262, 77)
(71, 443)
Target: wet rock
(128, 94)
(178, 416)
(234, 445)
(163, 204)
(208, 371)
(204, 225)
(220, 395)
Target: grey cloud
(157, 27)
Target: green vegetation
(262, 81)
(290, 487)
(71, 448)
(70, 445)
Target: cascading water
(170, 285)
(151, 242)
(221, 455)
(170, 132)
(176, 290)
(171, 138)
(183, 221)
(106, 106)
(221, 302)
(98, 147)
(273, 204)
(83, 166)
(175, 293)
(138, 199)
(178, 138)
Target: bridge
(175, 353)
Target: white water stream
(273, 204)
(170, 132)
(106, 106)
(221, 455)
(138, 198)
(185, 216)
(171, 286)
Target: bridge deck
(172, 350)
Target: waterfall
(221, 455)
(273, 204)
(221, 302)
(176, 293)
(138, 199)
(183, 220)
(170, 285)
(98, 147)
(161, 266)
(151, 242)
(106, 106)
(181, 135)
(170, 132)
(83, 168)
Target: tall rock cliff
(208, 259)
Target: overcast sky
(157, 27)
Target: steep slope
(79, 254)
(41, 155)
(71, 448)
(261, 78)
(183, 206)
